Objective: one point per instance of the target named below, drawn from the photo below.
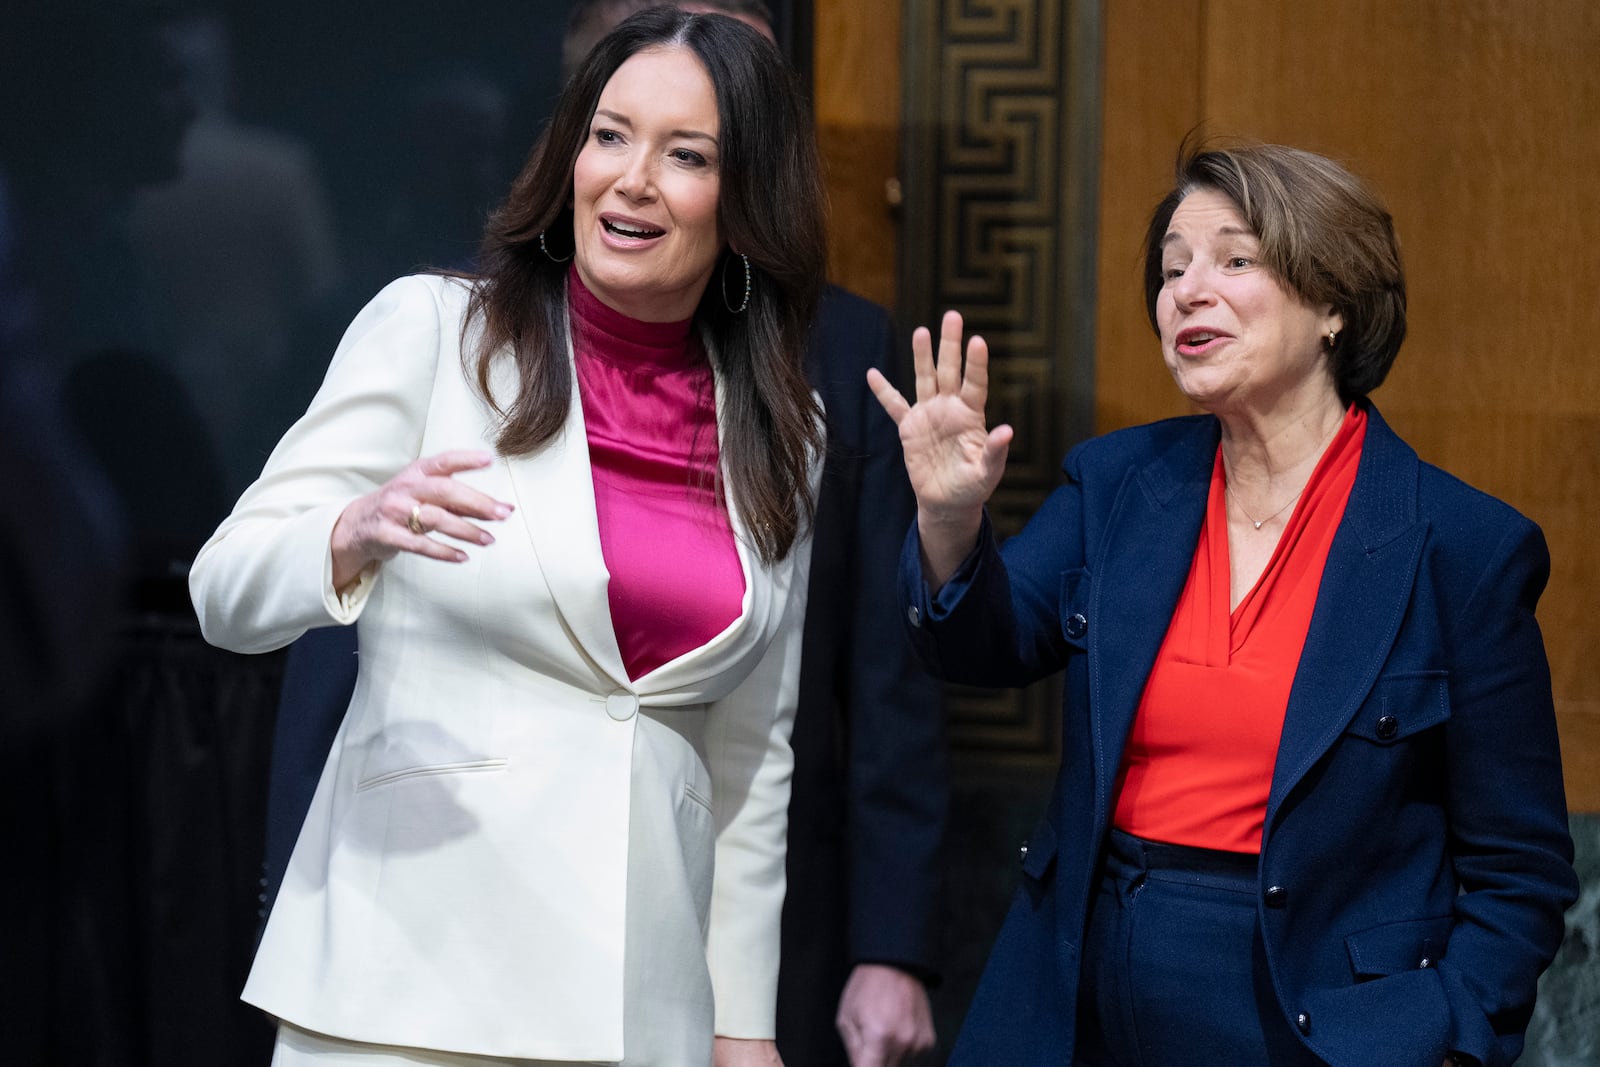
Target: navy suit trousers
(1174, 971)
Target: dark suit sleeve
(995, 621)
(318, 680)
(1507, 808)
(899, 791)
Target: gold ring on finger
(416, 520)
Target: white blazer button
(622, 706)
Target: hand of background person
(884, 1017)
(399, 515)
(953, 460)
(740, 1052)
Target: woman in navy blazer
(1414, 859)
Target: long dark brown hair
(771, 208)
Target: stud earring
(1333, 339)
(745, 302)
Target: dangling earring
(1333, 339)
(546, 250)
(744, 303)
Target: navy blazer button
(1276, 896)
(914, 615)
(1077, 625)
(1302, 1022)
(1022, 853)
(1388, 726)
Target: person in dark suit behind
(1309, 809)
(868, 801)
(867, 812)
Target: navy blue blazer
(1415, 860)
(867, 808)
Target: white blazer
(461, 879)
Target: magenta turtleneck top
(649, 410)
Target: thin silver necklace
(1258, 523)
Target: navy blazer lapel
(1366, 586)
(1149, 542)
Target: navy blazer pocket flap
(1402, 705)
(1397, 947)
(1074, 607)
(1039, 851)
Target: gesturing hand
(399, 515)
(953, 459)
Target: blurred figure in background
(234, 256)
(92, 115)
(60, 603)
(450, 161)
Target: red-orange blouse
(1197, 768)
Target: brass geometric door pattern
(998, 169)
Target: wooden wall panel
(857, 80)
(1477, 122)
(1151, 99)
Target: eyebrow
(623, 120)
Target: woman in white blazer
(532, 842)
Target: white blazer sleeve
(751, 767)
(266, 575)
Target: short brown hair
(1322, 232)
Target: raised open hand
(953, 459)
(398, 516)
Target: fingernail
(502, 510)
(484, 538)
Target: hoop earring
(546, 250)
(746, 301)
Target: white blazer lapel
(554, 490)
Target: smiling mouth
(635, 232)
